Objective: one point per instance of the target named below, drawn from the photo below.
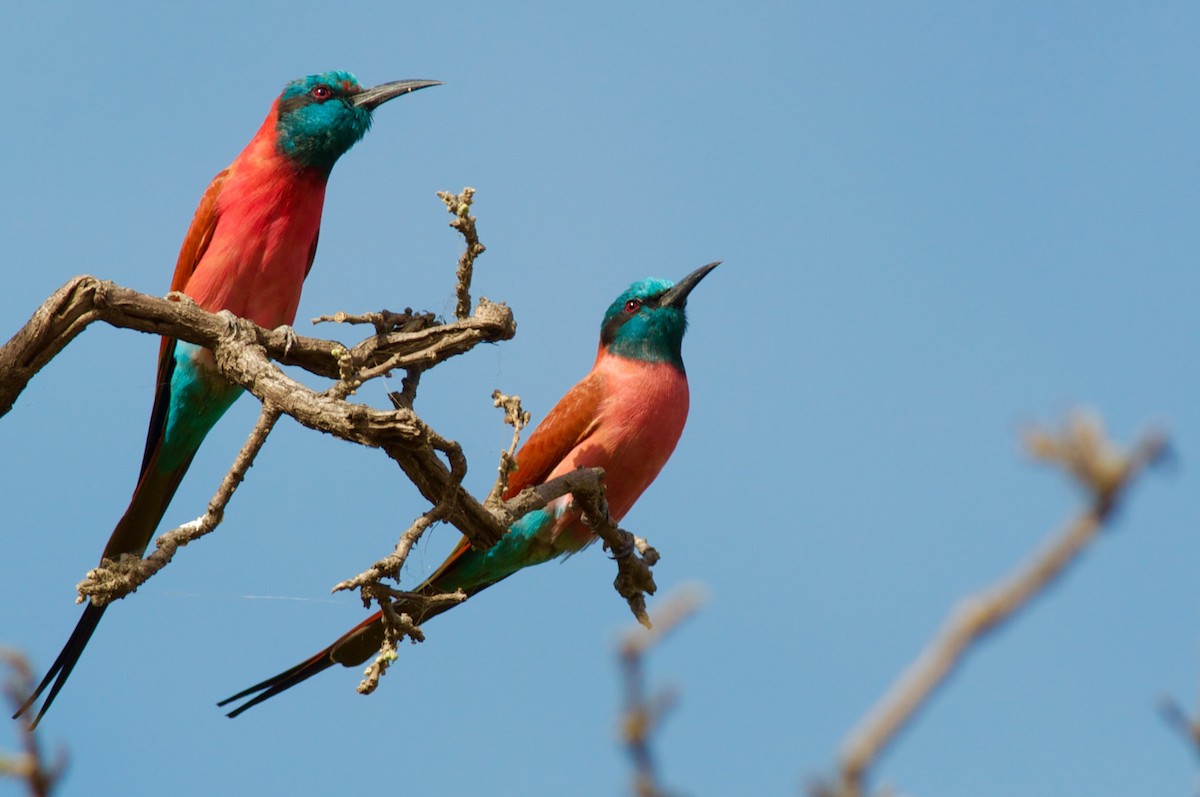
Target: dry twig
(398, 625)
(464, 222)
(518, 419)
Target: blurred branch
(30, 765)
(1178, 720)
(1105, 472)
(643, 713)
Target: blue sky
(940, 222)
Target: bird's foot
(625, 549)
(231, 321)
(289, 337)
(182, 298)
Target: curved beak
(375, 96)
(677, 296)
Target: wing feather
(566, 426)
(195, 244)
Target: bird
(247, 251)
(625, 416)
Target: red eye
(321, 92)
(632, 305)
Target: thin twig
(518, 419)
(114, 580)
(384, 321)
(464, 222)
(390, 565)
(1105, 472)
(398, 625)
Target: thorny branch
(250, 356)
(1105, 472)
(30, 765)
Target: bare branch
(241, 351)
(384, 321)
(84, 299)
(1105, 472)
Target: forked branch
(250, 356)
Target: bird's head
(322, 116)
(648, 320)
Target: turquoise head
(322, 116)
(648, 320)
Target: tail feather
(132, 535)
(280, 683)
(352, 648)
(355, 646)
(66, 661)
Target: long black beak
(677, 296)
(375, 96)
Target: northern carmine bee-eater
(625, 416)
(248, 250)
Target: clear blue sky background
(939, 222)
